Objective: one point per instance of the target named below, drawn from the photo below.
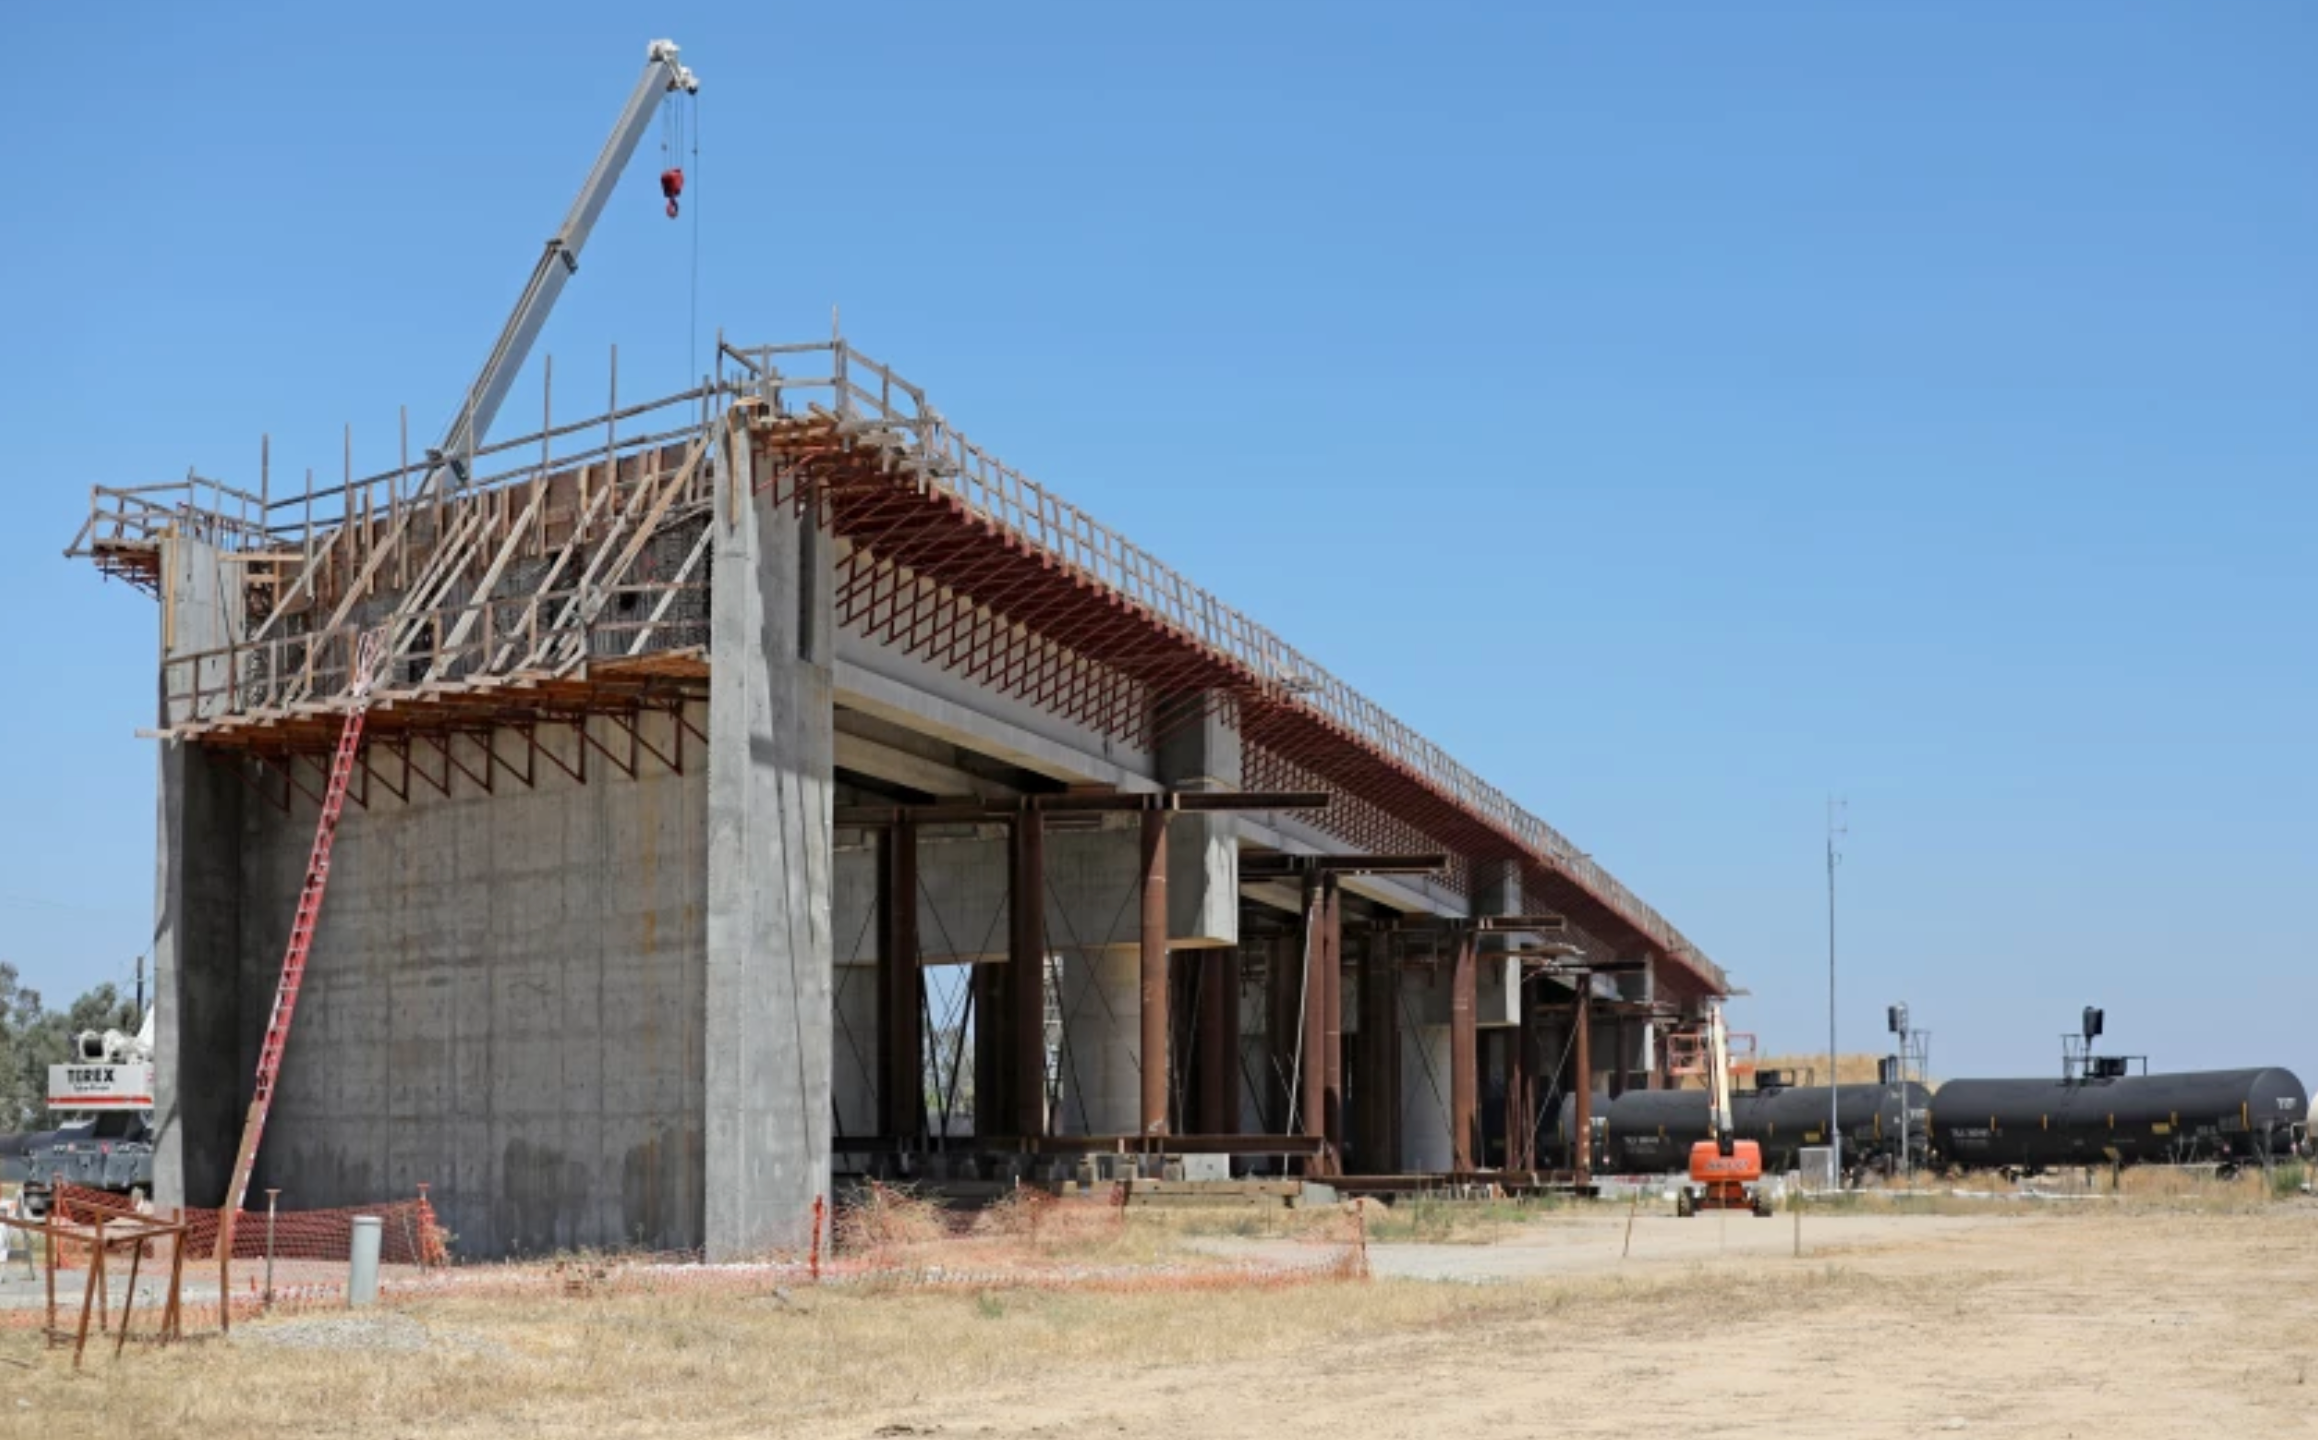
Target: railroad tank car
(1651, 1131)
(2222, 1116)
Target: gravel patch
(379, 1332)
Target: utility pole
(1834, 1090)
(140, 989)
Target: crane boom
(663, 75)
(1718, 1046)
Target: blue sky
(1681, 413)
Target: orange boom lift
(1725, 1172)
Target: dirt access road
(2116, 1325)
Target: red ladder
(301, 936)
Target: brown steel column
(1332, 1023)
(1312, 1104)
(1154, 973)
(1581, 1041)
(901, 1052)
(1464, 1060)
(1520, 1093)
(1218, 1047)
(1026, 986)
(1387, 955)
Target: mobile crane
(1725, 1172)
(663, 76)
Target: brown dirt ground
(2118, 1325)
(2113, 1321)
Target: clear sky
(1679, 412)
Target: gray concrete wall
(196, 911)
(1201, 754)
(1101, 1063)
(771, 784)
(505, 1001)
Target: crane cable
(672, 150)
(692, 334)
(679, 130)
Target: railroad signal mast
(2079, 1064)
(1910, 1063)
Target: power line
(38, 903)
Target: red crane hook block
(672, 185)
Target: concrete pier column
(1426, 1148)
(771, 762)
(1102, 1077)
(202, 1068)
(1198, 750)
(1095, 873)
(1155, 985)
(1642, 985)
(1497, 890)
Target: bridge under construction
(764, 784)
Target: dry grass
(807, 1361)
(690, 1365)
(687, 1364)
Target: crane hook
(672, 185)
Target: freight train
(1651, 1131)
(2224, 1118)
